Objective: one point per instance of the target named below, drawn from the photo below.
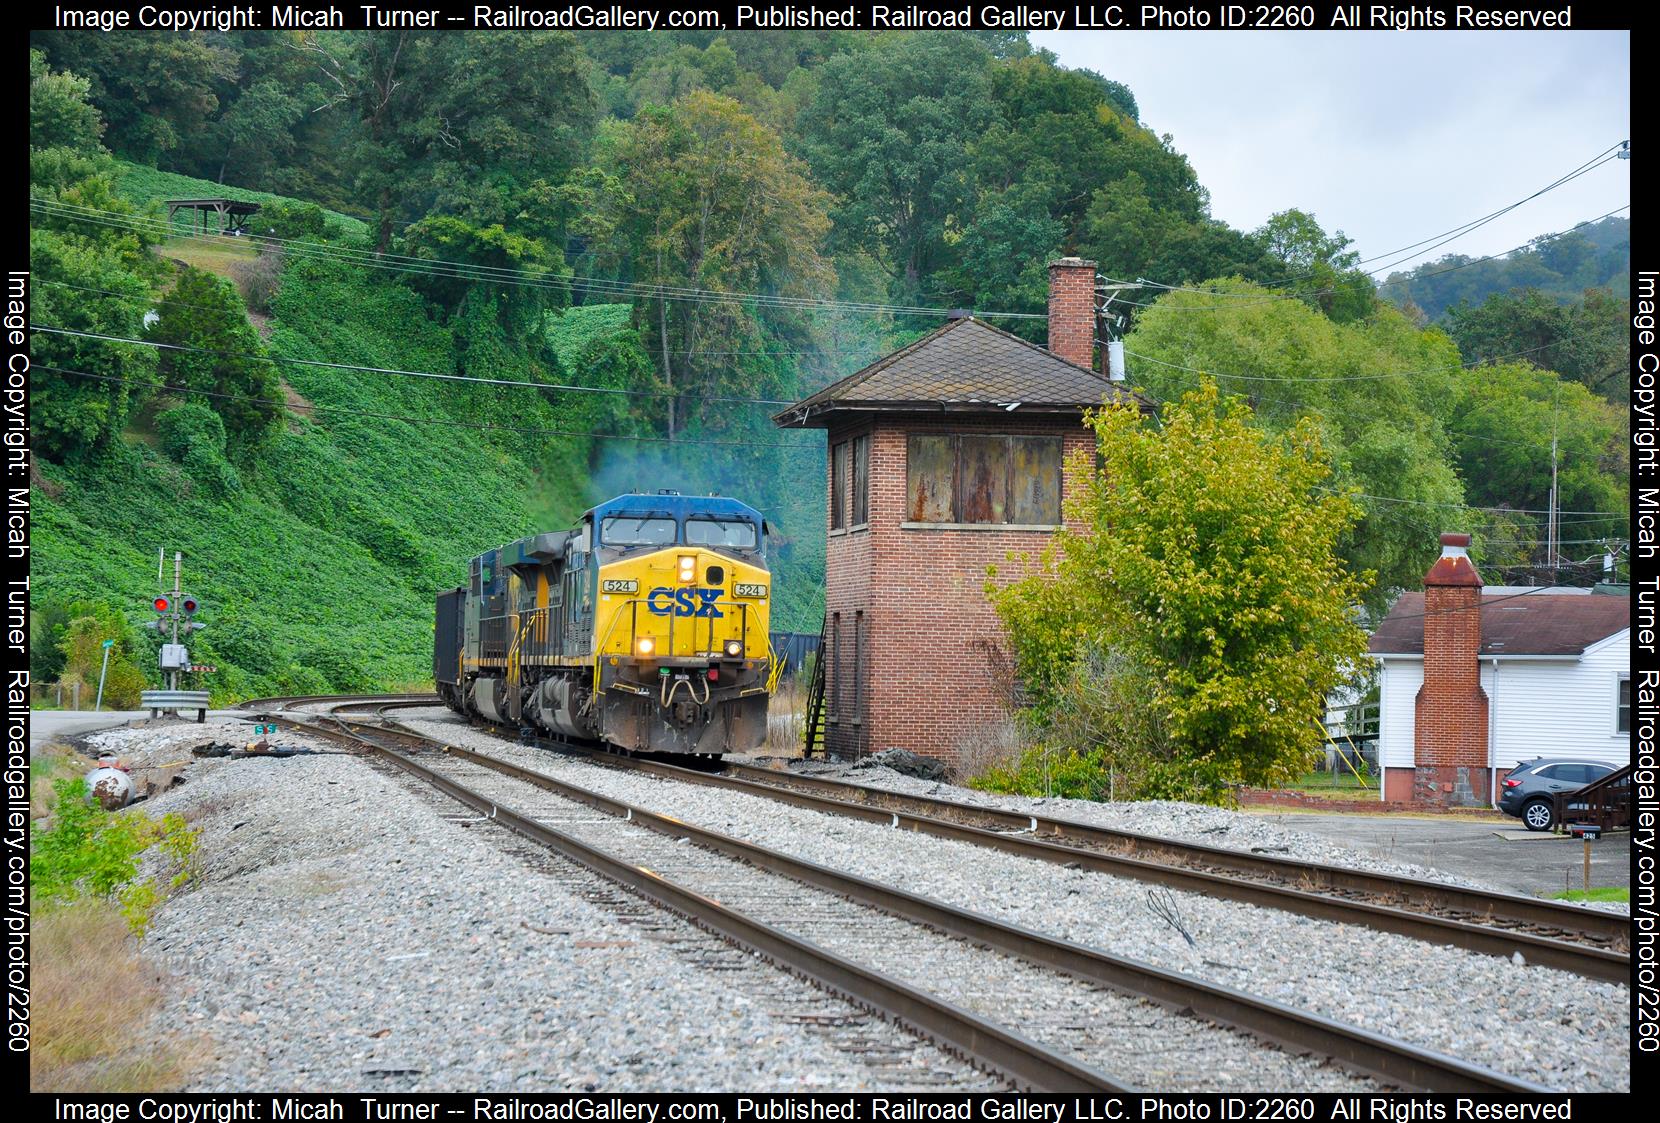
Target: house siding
(1538, 707)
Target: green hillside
(533, 271)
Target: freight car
(645, 627)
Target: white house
(1475, 680)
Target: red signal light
(189, 605)
(162, 604)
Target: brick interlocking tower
(945, 457)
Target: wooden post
(1587, 840)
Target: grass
(211, 257)
(1323, 785)
(93, 995)
(1619, 893)
(147, 185)
(55, 762)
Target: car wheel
(1537, 814)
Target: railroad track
(336, 702)
(1586, 942)
(829, 926)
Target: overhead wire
(1445, 237)
(1245, 299)
(251, 357)
(170, 302)
(468, 271)
(308, 407)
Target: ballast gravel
(1535, 1022)
(351, 930)
(1136, 1042)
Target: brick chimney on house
(1072, 310)
(1450, 728)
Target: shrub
(187, 425)
(90, 852)
(289, 219)
(259, 279)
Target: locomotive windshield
(623, 530)
(732, 533)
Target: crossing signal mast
(174, 612)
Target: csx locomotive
(645, 627)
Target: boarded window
(1035, 480)
(861, 480)
(931, 479)
(838, 486)
(983, 476)
(984, 479)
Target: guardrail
(172, 701)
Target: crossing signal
(163, 604)
(188, 605)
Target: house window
(861, 480)
(984, 479)
(838, 486)
(1622, 707)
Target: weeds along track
(1041, 1012)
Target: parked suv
(1526, 792)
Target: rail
(1354, 1048)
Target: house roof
(964, 366)
(1513, 622)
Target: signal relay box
(174, 657)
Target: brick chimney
(1072, 310)
(1450, 729)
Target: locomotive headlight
(734, 648)
(645, 645)
(688, 568)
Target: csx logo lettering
(684, 602)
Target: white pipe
(1493, 739)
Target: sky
(1388, 136)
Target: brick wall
(934, 668)
(1450, 722)
(1072, 310)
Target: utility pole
(1552, 552)
(102, 671)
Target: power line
(1467, 506)
(407, 373)
(438, 267)
(1446, 236)
(1474, 364)
(1248, 299)
(153, 300)
(311, 408)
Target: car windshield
(720, 532)
(626, 530)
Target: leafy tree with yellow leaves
(1199, 583)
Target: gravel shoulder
(351, 932)
(1535, 1022)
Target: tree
(1206, 562)
(888, 133)
(1379, 388)
(91, 275)
(222, 354)
(703, 195)
(1320, 266)
(154, 88)
(1587, 340)
(1502, 425)
(59, 113)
